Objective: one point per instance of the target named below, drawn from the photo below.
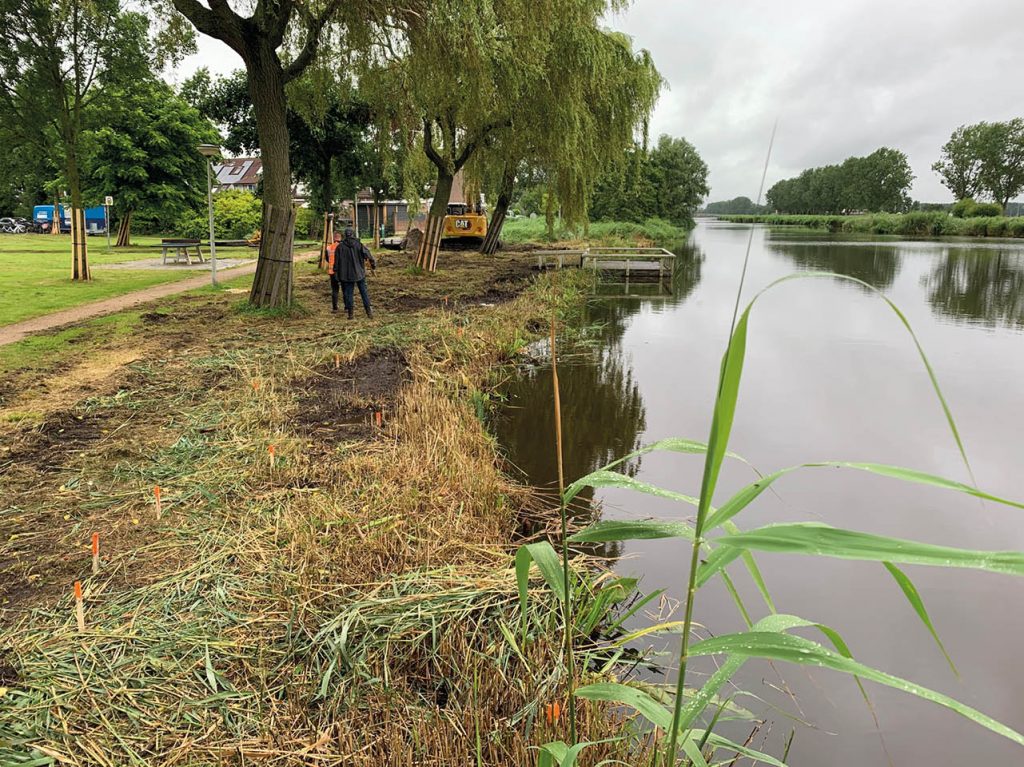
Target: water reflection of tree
(876, 265)
(979, 286)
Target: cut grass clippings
(353, 604)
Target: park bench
(180, 248)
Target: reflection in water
(876, 265)
(979, 286)
(647, 342)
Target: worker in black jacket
(350, 255)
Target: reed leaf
(746, 495)
(550, 566)
(912, 595)
(817, 539)
(632, 530)
(798, 650)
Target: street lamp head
(209, 150)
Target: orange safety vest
(330, 257)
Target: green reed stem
(707, 490)
(567, 604)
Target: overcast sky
(842, 78)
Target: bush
(968, 208)
(236, 215)
(307, 223)
(987, 210)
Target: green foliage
(143, 152)
(917, 224)
(960, 165)
(878, 182)
(968, 208)
(307, 221)
(604, 232)
(984, 157)
(236, 215)
(736, 206)
(669, 182)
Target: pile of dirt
(339, 403)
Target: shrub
(307, 222)
(996, 227)
(963, 208)
(236, 215)
(987, 210)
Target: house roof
(238, 171)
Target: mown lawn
(35, 273)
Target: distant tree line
(737, 206)
(877, 183)
(984, 160)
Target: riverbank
(328, 577)
(597, 234)
(917, 224)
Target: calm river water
(830, 374)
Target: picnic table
(181, 249)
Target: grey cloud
(841, 78)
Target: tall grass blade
(822, 540)
(550, 566)
(797, 650)
(746, 495)
(607, 531)
(912, 595)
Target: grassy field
(917, 224)
(35, 273)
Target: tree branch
(471, 146)
(428, 144)
(217, 21)
(314, 27)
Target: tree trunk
(272, 285)
(79, 248)
(490, 243)
(426, 259)
(124, 231)
(376, 218)
(549, 214)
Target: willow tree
(582, 114)
(457, 78)
(277, 40)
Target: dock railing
(630, 261)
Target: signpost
(107, 202)
(210, 151)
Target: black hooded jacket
(349, 257)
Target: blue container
(95, 218)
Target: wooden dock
(635, 265)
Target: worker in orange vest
(335, 284)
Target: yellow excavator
(463, 221)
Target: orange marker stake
(460, 331)
(337, 361)
(255, 385)
(271, 451)
(79, 607)
(156, 494)
(380, 418)
(95, 553)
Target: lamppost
(209, 151)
